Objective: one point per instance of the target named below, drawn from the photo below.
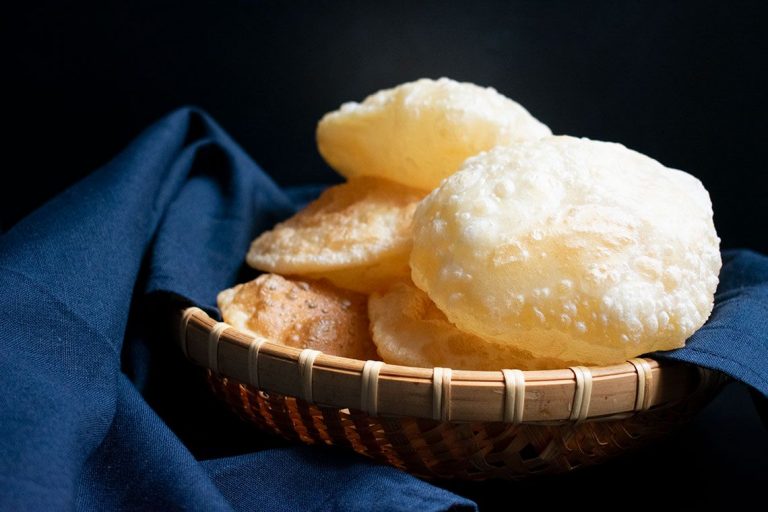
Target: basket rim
(381, 389)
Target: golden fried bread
(357, 235)
(408, 329)
(569, 248)
(420, 132)
(300, 314)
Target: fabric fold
(734, 340)
(86, 283)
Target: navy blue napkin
(169, 218)
(735, 338)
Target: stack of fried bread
(467, 236)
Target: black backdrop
(680, 81)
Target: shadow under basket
(443, 423)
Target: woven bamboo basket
(443, 423)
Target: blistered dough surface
(408, 329)
(420, 132)
(300, 314)
(569, 248)
(357, 235)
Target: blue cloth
(98, 410)
(735, 338)
(169, 218)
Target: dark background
(680, 81)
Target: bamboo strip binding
(369, 391)
(514, 396)
(509, 395)
(441, 422)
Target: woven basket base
(469, 451)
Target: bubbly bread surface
(408, 329)
(300, 314)
(357, 235)
(420, 132)
(569, 248)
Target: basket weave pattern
(442, 423)
(430, 448)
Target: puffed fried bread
(300, 314)
(357, 235)
(421, 132)
(569, 248)
(408, 329)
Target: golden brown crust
(301, 314)
(357, 235)
(408, 329)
